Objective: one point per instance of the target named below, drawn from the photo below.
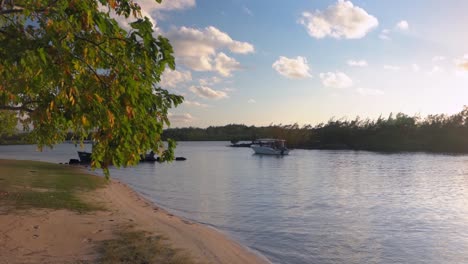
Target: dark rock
(180, 158)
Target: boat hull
(85, 157)
(269, 151)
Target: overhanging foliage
(69, 66)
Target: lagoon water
(311, 206)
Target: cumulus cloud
(462, 63)
(391, 67)
(435, 70)
(336, 80)
(180, 118)
(229, 89)
(166, 5)
(357, 63)
(195, 103)
(438, 58)
(207, 92)
(293, 68)
(341, 20)
(251, 101)
(247, 11)
(172, 78)
(402, 25)
(152, 9)
(199, 48)
(415, 67)
(224, 64)
(385, 34)
(369, 92)
(209, 81)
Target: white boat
(269, 146)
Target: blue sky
(305, 61)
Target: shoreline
(43, 235)
(168, 211)
(220, 235)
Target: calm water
(311, 206)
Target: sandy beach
(62, 236)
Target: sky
(258, 62)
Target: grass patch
(137, 247)
(26, 184)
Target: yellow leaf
(99, 98)
(111, 118)
(129, 111)
(84, 120)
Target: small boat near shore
(148, 157)
(269, 146)
(85, 157)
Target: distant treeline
(400, 132)
(15, 139)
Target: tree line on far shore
(399, 132)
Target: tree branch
(16, 108)
(10, 11)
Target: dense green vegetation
(400, 132)
(69, 66)
(30, 184)
(16, 139)
(7, 123)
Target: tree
(7, 123)
(70, 67)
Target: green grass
(31, 184)
(136, 247)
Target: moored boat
(148, 157)
(85, 157)
(269, 146)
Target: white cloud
(435, 70)
(438, 58)
(167, 5)
(391, 67)
(358, 63)
(224, 64)
(336, 80)
(207, 92)
(341, 20)
(369, 92)
(195, 103)
(229, 89)
(152, 9)
(181, 118)
(294, 68)
(247, 11)
(198, 48)
(462, 63)
(209, 81)
(402, 25)
(172, 78)
(415, 67)
(251, 101)
(385, 34)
